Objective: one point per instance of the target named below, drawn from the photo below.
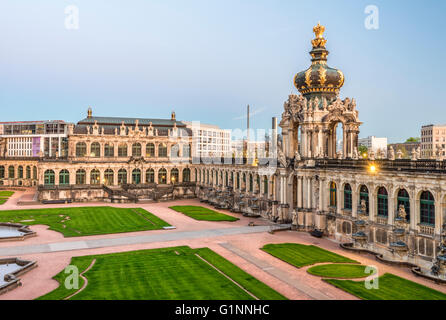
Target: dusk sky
(208, 59)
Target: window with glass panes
(383, 202)
(347, 197)
(427, 208)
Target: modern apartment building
(34, 138)
(433, 141)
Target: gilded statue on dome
(319, 32)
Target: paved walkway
(234, 241)
(277, 273)
(124, 241)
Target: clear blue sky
(208, 59)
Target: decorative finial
(319, 41)
(173, 117)
(89, 113)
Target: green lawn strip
(391, 287)
(251, 284)
(2, 201)
(156, 274)
(151, 217)
(342, 271)
(85, 221)
(201, 213)
(62, 292)
(300, 255)
(6, 194)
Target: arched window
(109, 177)
(136, 150)
(383, 202)
(238, 180)
(81, 176)
(81, 149)
(244, 181)
(150, 150)
(348, 197)
(20, 172)
(175, 151)
(122, 150)
(364, 195)
(35, 173)
(28, 172)
(250, 183)
(162, 150)
(109, 150)
(186, 150)
(174, 175)
(150, 176)
(333, 196)
(265, 185)
(11, 172)
(162, 176)
(2, 172)
(64, 177)
(404, 200)
(95, 176)
(95, 150)
(136, 176)
(122, 176)
(49, 178)
(186, 175)
(427, 208)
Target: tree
(363, 150)
(413, 139)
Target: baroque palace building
(384, 204)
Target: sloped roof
(130, 121)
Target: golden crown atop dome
(319, 30)
(319, 41)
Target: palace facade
(383, 204)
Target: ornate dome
(319, 78)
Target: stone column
(321, 194)
(413, 209)
(438, 215)
(372, 205)
(355, 200)
(391, 206)
(303, 145)
(299, 192)
(339, 196)
(309, 195)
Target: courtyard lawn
(5, 195)
(343, 271)
(161, 274)
(391, 287)
(201, 213)
(86, 221)
(300, 255)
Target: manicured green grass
(344, 271)
(256, 287)
(201, 213)
(391, 287)
(86, 221)
(169, 273)
(300, 255)
(4, 196)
